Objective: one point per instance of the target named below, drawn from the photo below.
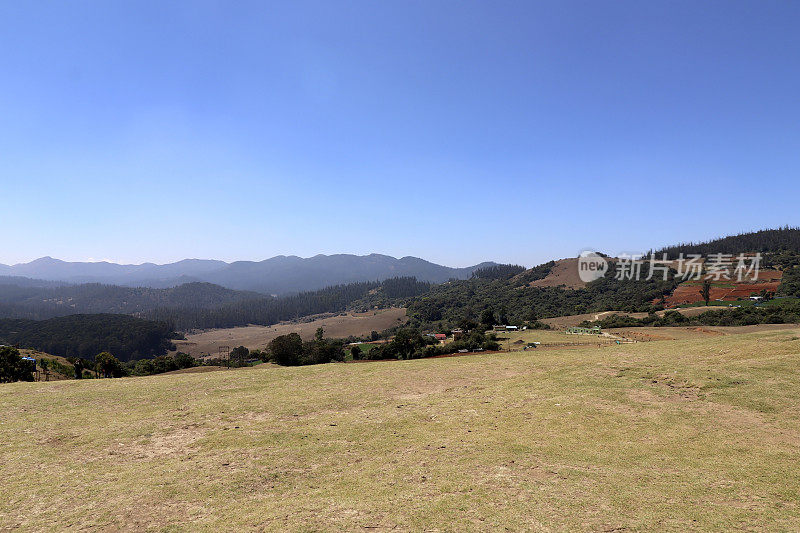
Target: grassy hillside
(697, 434)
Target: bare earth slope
(564, 273)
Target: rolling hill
(197, 305)
(554, 289)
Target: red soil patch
(688, 292)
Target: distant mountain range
(278, 275)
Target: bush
(356, 353)
(240, 354)
(108, 365)
(184, 360)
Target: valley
(257, 337)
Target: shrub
(356, 353)
(108, 365)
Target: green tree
(356, 352)
(13, 367)
(286, 349)
(184, 360)
(108, 365)
(240, 354)
(705, 291)
(144, 367)
(487, 317)
(504, 315)
(77, 365)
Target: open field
(564, 322)
(252, 337)
(515, 340)
(693, 332)
(694, 434)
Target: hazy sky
(454, 131)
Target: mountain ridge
(275, 275)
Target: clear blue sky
(454, 131)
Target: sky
(454, 131)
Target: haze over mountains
(278, 275)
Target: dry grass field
(563, 274)
(696, 434)
(558, 338)
(253, 337)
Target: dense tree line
(789, 262)
(790, 283)
(409, 343)
(393, 292)
(22, 281)
(498, 272)
(768, 240)
(41, 302)
(266, 310)
(85, 336)
(161, 364)
(403, 287)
